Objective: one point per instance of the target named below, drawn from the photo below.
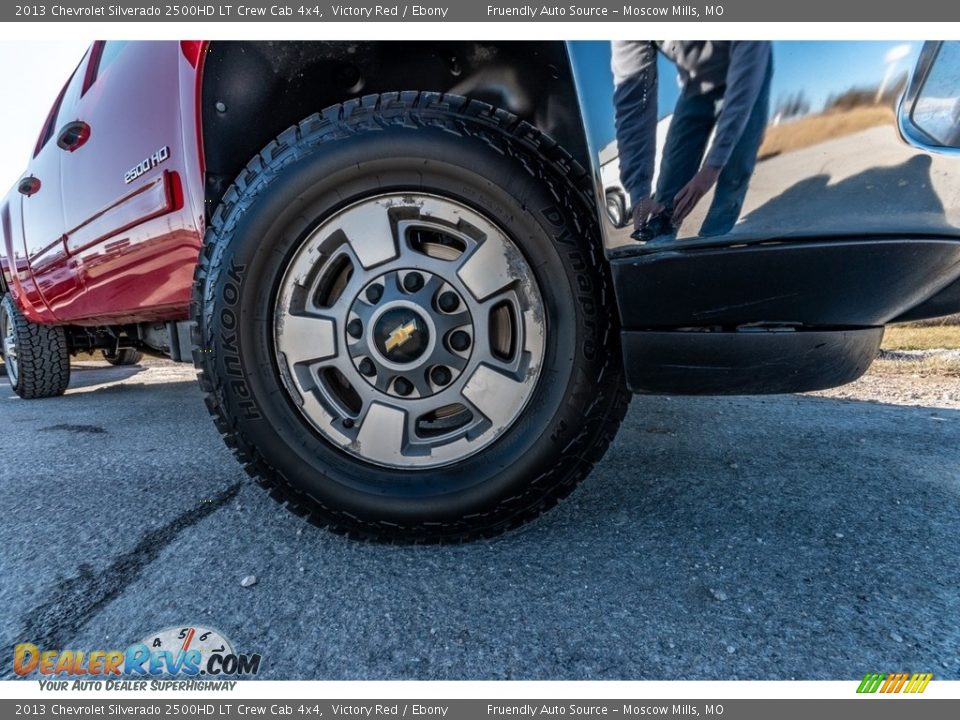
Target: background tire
(124, 356)
(468, 155)
(616, 208)
(36, 357)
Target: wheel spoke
(424, 296)
(444, 357)
(446, 323)
(382, 434)
(358, 348)
(383, 380)
(421, 383)
(487, 270)
(496, 395)
(370, 233)
(303, 338)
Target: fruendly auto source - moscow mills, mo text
(597, 11)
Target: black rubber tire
(616, 208)
(124, 356)
(480, 156)
(43, 360)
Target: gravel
(898, 386)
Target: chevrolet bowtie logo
(400, 335)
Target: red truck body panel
(122, 249)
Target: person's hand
(643, 211)
(688, 197)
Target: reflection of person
(725, 90)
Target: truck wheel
(616, 208)
(405, 325)
(35, 356)
(124, 356)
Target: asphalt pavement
(767, 538)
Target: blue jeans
(693, 120)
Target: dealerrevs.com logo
(183, 652)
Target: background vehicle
(399, 302)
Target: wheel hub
(409, 330)
(399, 337)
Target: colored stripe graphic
(870, 683)
(918, 683)
(894, 683)
(889, 682)
(901, 679)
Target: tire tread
(43, 357)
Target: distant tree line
(797, 104)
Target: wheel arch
(6, 248)
(281, 83)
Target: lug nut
(374, 293)
(367, 367)
(448, 301)
(440, 375)
(412, 281)
(355, 328)
(402, 386)
(347, 423)
(459, 340)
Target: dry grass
(911, 337)
(915, 337)
(937, 367)
(814, 129)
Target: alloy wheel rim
(409, 330)
(10, 347)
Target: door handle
(73, 135)
(29, 186)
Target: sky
(27, 96)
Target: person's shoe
(660, 225)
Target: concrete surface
(784, 537)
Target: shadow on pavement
(86, 375)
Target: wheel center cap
(401, 335)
